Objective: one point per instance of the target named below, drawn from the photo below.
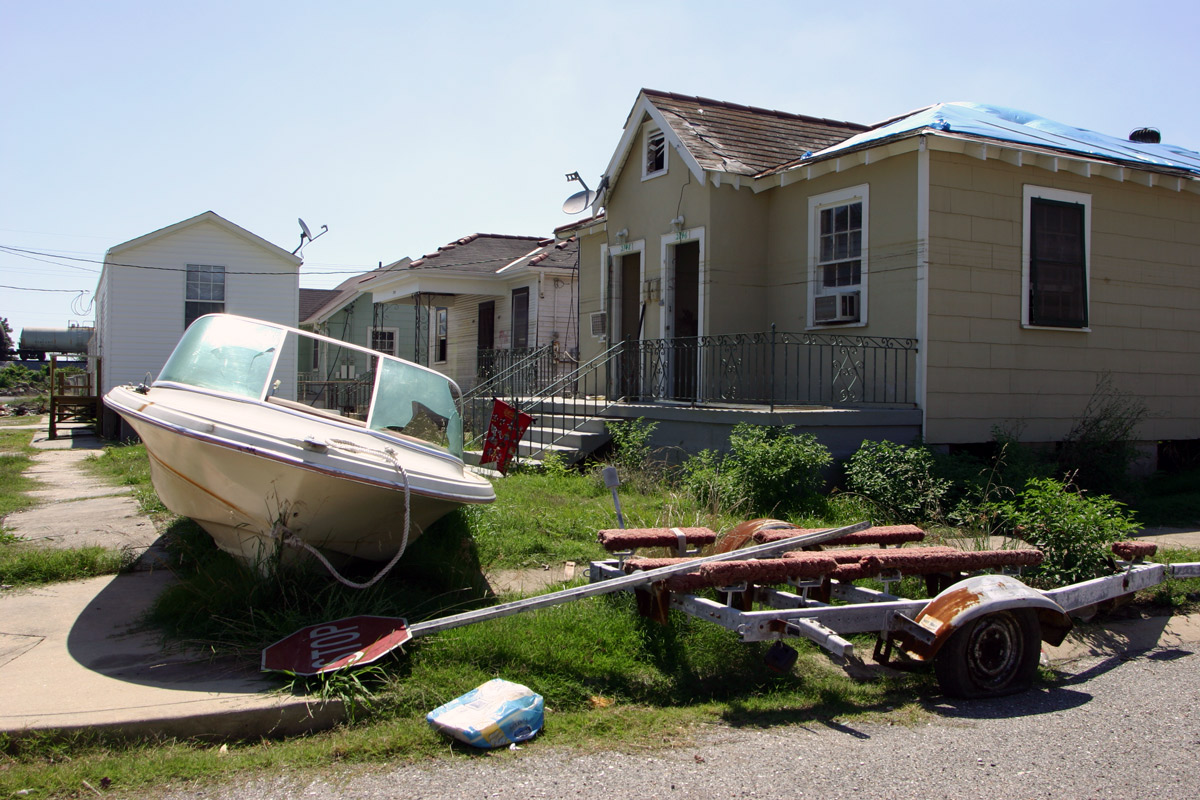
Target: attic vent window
(655, 162)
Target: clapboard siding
(142, 291)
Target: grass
(25, 565)
(21, 563)
(15, 458)
(539, 519)
(128, 465)
(1174, 595)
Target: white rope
(279, 531)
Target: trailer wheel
(994, 655)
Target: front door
(486, 340)
(520, 318)
(685, 321)
(631, 323)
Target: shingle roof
(744, 140)
(311, 300)
(490, 252)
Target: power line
(32, 254)
(31, 289)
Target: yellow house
(952, 271)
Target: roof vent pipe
(1145, 136)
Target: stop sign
(346, 642)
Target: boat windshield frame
(421, 419)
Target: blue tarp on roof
(1011, 125)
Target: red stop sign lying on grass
(347, 642)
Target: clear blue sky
(403, 127)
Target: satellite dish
(579, 201)
(305, 233)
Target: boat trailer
(980, 626)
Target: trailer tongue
(617, 583)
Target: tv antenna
(305, 233)
(580, 200)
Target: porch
(843, 389)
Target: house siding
(645, 209)
(891, 258)
(985, 370)
(590, 302)
(143, 309)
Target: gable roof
(215, 219)
(472, 265)
(726, 138)
(480, 253)
(744, 140)
(1022, 128)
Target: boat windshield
(351, 384)
(415, 402)
(225, 354)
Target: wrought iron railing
(772, 368)
(502, 374)
(561, 404)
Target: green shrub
(1074, 532)
(899, 480)
(631, 451)
(20, 378)
(768, 470)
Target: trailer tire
(991, 656)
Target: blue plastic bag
(496, 714)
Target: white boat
(330, 468)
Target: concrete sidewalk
(72, 655)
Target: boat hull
(336, 487)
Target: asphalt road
(1119, 728)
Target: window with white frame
(383, 340)
(204, 292)
(654, 155)
(838, 256)
(443, 328)
(1056, 245)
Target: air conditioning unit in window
(839, 307)
(599, 322)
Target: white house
(152, 287)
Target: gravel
(1121, 727)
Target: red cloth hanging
(505, 430)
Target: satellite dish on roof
(305, 233)
(579, 201)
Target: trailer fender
(978, 596)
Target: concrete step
(577, 439)
(569, 423)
